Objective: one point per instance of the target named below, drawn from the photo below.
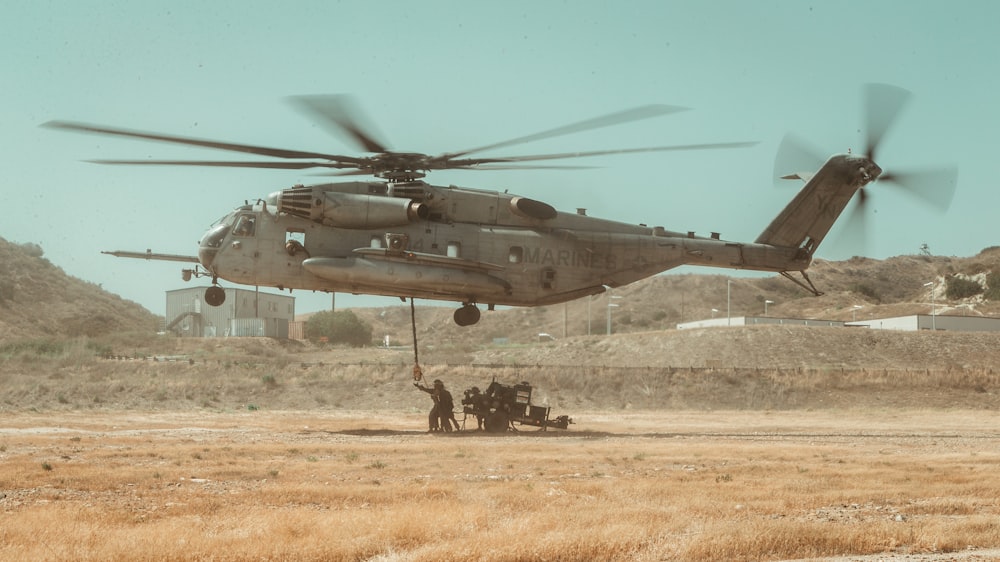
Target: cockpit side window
(245, 226)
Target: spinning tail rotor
(882, 106)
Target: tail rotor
(883, 104)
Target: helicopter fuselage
(452, 243)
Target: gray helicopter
(400, 236)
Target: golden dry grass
(617, 486)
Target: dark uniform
(475, 403)
(441, 415)
(446, 409)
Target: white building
(932, 322)
(755, 320)
(905, 323)
(244, 313)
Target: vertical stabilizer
(805, 221)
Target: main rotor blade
(475, 161)
(233, 164)
(491, 167)
(358, 172)
(341, 115)
(247, 148)
(935, 187)
(634, 114)
(882, 104)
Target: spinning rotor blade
(882, 104)
(278, 165)
(935, 187)
(795, 155)
(340, 114)
(247, 148)
(623, 151)
(853, 233)
(634, 114)
(520, 167)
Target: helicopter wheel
(467, 315)
(215, 295)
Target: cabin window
(376, 242)
(245, 226)
(516, 254)
(454, 249)
(548, 278)
(295, 242)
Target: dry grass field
(798, 444)
(342, 485)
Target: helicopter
(398, 235)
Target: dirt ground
(181, 448)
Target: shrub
(341, 326)
(866, 291)
(962, 288)
(992, 286)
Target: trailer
(502, 406)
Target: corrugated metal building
(905, 323)
(754, 320)
(244, 313)
(932, 322)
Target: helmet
(437, 382)
(474, 390)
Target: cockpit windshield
(246, 225)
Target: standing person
(441, 415)
(446, 407)
(475, 404)
(434, 416)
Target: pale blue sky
(443, 76)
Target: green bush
(992, 286)
(341, 326)
(962, 288)
(866, 291)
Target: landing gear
(467, 315)
(215, 295)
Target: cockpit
(241, 223)
(245, 226)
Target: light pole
(854, 312)
(933, 306)
(610, 306)
(767, 302)
(729, 300)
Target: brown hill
(38, 299)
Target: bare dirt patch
(684, 485)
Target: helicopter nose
(210, 243)
(206, 255)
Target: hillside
(644, 364)
(38, 299)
